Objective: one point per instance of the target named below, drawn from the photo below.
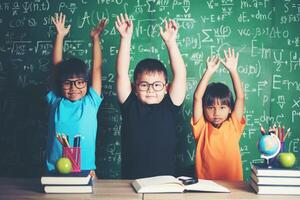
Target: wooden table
(21, 189)
(18, 189)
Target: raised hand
(212, 63)
(59, 22)
(169, 34)
(124, 26)
(231, 60)
(95, 32)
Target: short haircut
(149, 65)
(217, 91)
(69, 68)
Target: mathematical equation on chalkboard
(264, 32)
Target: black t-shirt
(149, 137)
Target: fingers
(118, 21)
(214, 59)
(237, 55)
(174, 25)
(126, 17)
(170, 25)
(103, 22)
(225, 54)
(62, 18)
(123, 19)
(231, 54)
(68, 27)
(161, 31)
(58, 18)
(166, 24)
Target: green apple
(64, 165)
(287, 159)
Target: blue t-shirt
(73, 118)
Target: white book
(262, 170)
(170, 184)
(275, 180)
(275, 189)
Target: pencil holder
(73, 153)
(281, 146)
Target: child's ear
(167, 88)
(133, 86)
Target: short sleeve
(196, 127)
(51, 97)
(126, 104)
(239, 125)
(170, 103)
(95, 97)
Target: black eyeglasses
(79, 83)
(156, 86)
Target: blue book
(73, 178)
(67, 189)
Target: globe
(269, 145)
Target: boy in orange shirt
(218, 123)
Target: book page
(158, 184)
(206, 186)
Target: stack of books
(275, 180)
(75, 182)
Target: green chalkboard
(265, 32)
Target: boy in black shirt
(150, 109)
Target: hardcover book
(74, 178)
(170, 184)
(87, 188)
(275, 189)
(276, 180)
(261, 170)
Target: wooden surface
(239, 190)
(21, 189)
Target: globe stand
(268, 157)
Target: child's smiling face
(74, 88)
(150, 87)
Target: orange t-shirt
(217, 149)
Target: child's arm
(212, 65)
(97, 56)
(125, 28)
(177, 89)
(62, 31)
(230, 63)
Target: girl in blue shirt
(74, 101)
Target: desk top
(21, 188)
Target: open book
(170, 184)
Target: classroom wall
(264, 32)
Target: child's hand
(59, 22)
(212, 64)
(95, 32)
(170, 32)
(124, 26)
(231, 60)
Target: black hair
(69, 68)
(217, 91)
(149, 65)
